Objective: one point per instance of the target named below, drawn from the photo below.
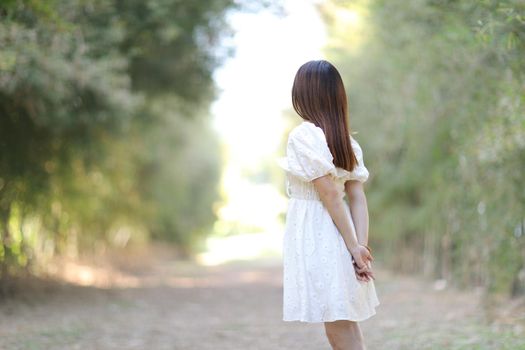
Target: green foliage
(183, 173)
(103, 135)
(436, 90)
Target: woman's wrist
(360, 245)
(352, 247)
(362, 240)
(357, 245)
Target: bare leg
(344, 335)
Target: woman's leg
(344, 335)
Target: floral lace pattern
(319, 282)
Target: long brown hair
(319, 96)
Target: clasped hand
(362, 262)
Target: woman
(327, 272)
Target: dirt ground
(168, 303)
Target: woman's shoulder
(307, 129)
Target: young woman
(327, 272)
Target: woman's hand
(361, 255)
(362, 259)
(364, 274)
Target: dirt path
(180, 305)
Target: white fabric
(319, 282)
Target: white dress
(319, 281)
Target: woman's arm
(332, 199)
(359, 208)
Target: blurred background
(144, 133)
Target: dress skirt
(319, 280)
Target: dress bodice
(308, 157)
(297, 188)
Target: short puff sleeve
(360, 172)
(307, 153)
